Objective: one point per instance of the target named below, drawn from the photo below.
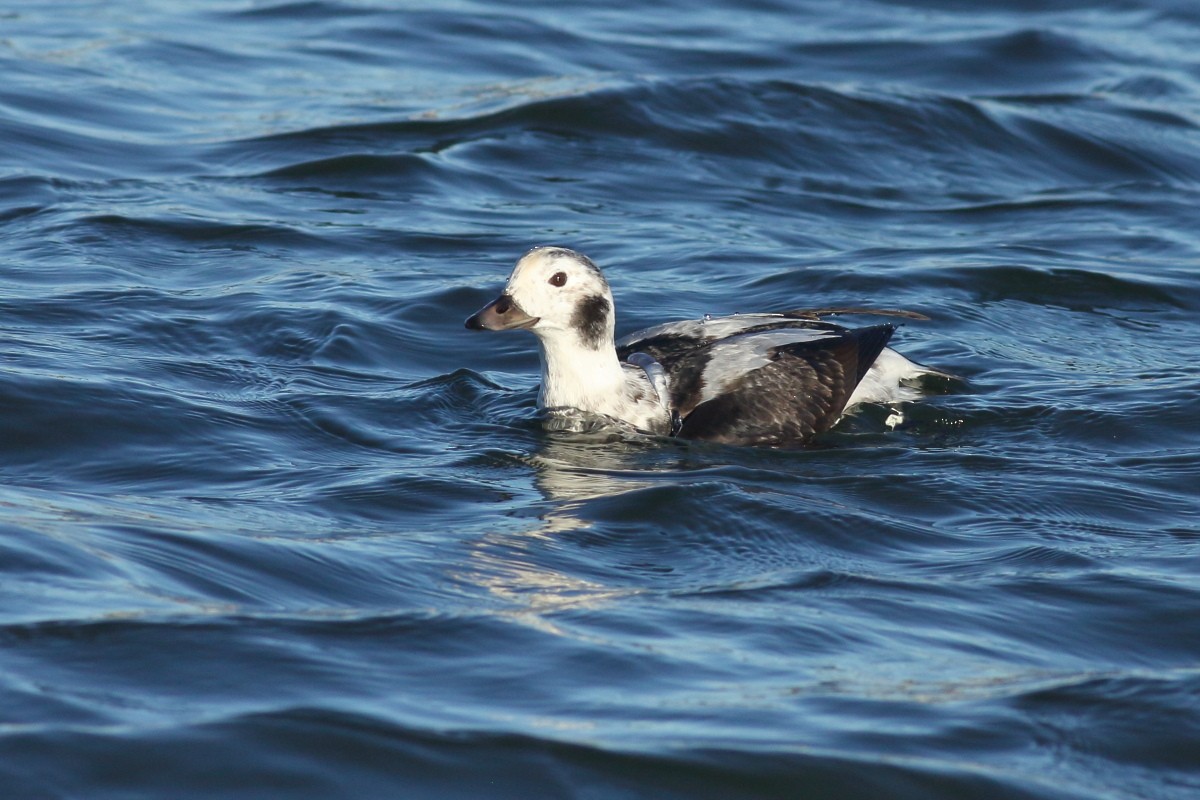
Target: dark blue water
(272, 524)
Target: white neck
(577, 376)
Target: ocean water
(273, 524)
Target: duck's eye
(558, 279)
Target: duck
(760, 379)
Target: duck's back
(759, 378)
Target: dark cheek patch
(591, 320)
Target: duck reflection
(583, 457)
(540, 567)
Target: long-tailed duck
(754, 379)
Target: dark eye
(558, 279)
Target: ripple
(267, 504)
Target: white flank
(884, 381)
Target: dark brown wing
(799, 393)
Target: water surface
(273, 524)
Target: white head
(558, 294)
(561, 296)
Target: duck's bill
(502, 314)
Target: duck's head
(553, 292)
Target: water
(272, 524)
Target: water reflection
(573, 468)
(539, 568)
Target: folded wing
(759, 378)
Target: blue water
(273, 524)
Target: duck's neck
(577, 376)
